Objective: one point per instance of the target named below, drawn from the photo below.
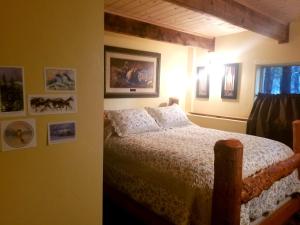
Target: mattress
(171, 171)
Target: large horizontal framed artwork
(202, 84)
(11, 91)
(131, 73)
(230, 81)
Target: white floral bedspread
(171, 171)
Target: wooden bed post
(226, 201)
(296, 136)
(296, 139)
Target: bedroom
(62, 183)
(178, 71)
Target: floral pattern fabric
(131, 121)
(169, 116)
(171, 171)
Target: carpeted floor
(114, 215)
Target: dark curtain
(272, 116)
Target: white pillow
(108, 130)
(131, 121)
(169, 116)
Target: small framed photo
(60, 79)
(230, 81)
(12, 91)
(18, 134)
(61, 132)
(52, 104)
(131, 73)
(202, 84)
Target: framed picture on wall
(18, 134)
(52, 104)
(60, 132)
(60, 79)
(131, 73)
(230, 81)
(12, 91)
(202, 84)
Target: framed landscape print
(230, 81)
(131, 73)
(61, 132)
(11, 91)
(60, 79)
(202, 88)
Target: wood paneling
(128, 26)
(239, 15)
(284, 11)
(166, 14)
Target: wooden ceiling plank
(128, 26)
(239, 15)
(108, 3)
(167, 8)
(131, 4)
(284, 11)
(180, 14)
(118, 4)
(155, 11)
(140, 10)
(166, 25)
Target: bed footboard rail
(263, 179)
(230, 190)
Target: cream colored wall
(173, 73)
(219, 123)
(249, 49)
(178, 67)
(58, 184)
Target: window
(278, 79)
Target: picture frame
(230, 81)
(12, 91)
(131, 73)
(60, 79)
(202, 84)
(61, 132)
(52, 104)
(18, 134)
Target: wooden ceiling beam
(239, 15)
(128, 26)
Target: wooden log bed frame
(230, 189)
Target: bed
(188, 174)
